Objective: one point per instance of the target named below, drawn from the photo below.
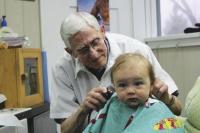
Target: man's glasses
(95, 43)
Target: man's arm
(93, 101)
(174, 104)
(161, 92)
(75, 123)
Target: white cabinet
(16, 129)
(43, 124)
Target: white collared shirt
(72, 81)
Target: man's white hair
(75, 23)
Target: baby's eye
(123, 85)
(138, 83)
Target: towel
(117, 117)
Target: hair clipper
(109, 92)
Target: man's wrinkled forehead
(84, 35)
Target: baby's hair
(132, 56)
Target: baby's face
(132, 83)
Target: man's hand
(94, 100)
(160, 90)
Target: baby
(131, 108)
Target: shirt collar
(78, 67)
(114, 50)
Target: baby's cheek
(122, 96)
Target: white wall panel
(121, 20)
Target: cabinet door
(30, 83)
(23, 129)
(43, 124)
(8, 76)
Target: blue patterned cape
(117, 117)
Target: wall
(52, 13)
(179, 55)
(23, 17)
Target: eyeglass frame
(85, 50)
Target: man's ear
(102, 28)
(69, 51)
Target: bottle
(5, 31)
(3, 22)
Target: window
(176, 15)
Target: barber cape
(117, 117)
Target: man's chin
(95, 66)
(98, 66)
(100, 63)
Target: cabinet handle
(24, 76)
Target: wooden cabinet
(21, 77)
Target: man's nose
(93, 52)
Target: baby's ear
(151, 90)
(192, 109)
